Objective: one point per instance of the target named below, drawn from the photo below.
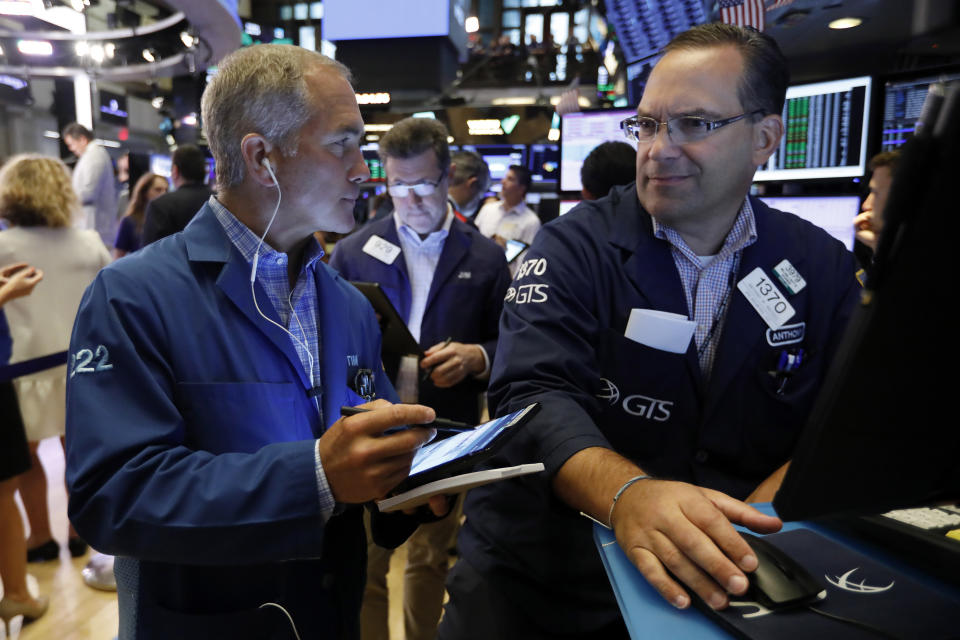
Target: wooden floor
(78, 612)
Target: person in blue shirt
(663, 440)
(205, 447)
(447, 282)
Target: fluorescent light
(515, 101)
(472, 25)
(845, 23)
(484, 127)
(380, 97)
(51, 134)
(424, 114)
(108, 143)
(35, 47)
(377, 127)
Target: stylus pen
(429, 372)
(440, 424)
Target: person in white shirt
(94, 182)
(510, 218)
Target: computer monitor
(882, 434)
(580, 133)
(371, 155)
(826, 126)
(543, 160)
(902, 101)
(566, 205)
(113, 108)
(499, 157)
(833, 214)
(161, 164)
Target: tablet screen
(513, 249)
(464, 444)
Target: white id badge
(766, 298)
(789, 277)
(383, 250)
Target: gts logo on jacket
(636, 404)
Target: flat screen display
(369, 19)
(566, 205)
(161, 164)
(826, 125)
(902, 103)
(582, 131)
(544, 162)
(113, 108)
(499, 157)
(833, 214)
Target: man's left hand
(453, 362)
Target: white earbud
(269, 167)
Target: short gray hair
(412, 136)
(470, 164)
(259, 89)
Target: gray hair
(259, 89)
(412, 136)
(470, 164)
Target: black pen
(429, 372)
(440, 424)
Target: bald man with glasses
(676, 333)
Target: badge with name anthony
(383, 250)
(766, 298)
(789, 277)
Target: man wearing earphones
(205, 447)
(447, 282)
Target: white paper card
(660, 329)
(766, 298)
(791, 279)
(383, 250)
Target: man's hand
(363, 464)
(453, 362)
(18, 280)
(663, 525)
(867, 233)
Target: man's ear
(255, 149)
(766, 138)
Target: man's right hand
(363, 464)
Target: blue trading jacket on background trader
(563, 327)
(191, 444)
(464, 303)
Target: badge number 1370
(766, 298)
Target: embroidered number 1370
(87, 361)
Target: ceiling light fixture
(845, 23)
(97, 53)
(187, 39)
(150, 55)
(35, 47)
(110, 49)
(472, 24)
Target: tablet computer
(397, 339)
(513, 249)
(462, 452)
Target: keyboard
(926, 537)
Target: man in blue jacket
(447, 282)
(659, 439)
(205, 447)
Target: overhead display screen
(826, 125)
(580, 133)
(369, 19)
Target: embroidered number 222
(80, 362)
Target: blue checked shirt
(708, 280)
(298, 309)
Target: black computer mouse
(779, 581)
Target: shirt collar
(246, 241)
(742, 234)
(435, 237)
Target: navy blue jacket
(191, 444)
(464, 303)
(563, 327)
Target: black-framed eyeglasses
(681, 129)
(422, 188)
